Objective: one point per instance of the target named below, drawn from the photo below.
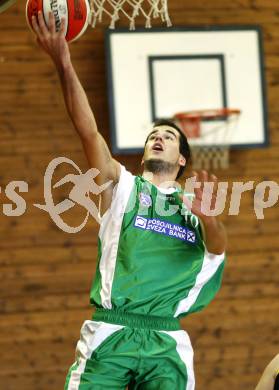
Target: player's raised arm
(80, 112)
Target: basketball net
(150, 9)
(209, 133)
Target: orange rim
(207, 114)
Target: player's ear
(142, 161)
(182, 161)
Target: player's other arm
(80, 112)
(214, 232)
(267, 381)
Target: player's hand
(51, 41)
(205, 196)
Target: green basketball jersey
(151, 255)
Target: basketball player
(270, 377)
(157, 261)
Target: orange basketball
(75, 12)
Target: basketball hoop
(149, 9)
(209, 135)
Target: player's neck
(162, 180)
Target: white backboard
(153, 74)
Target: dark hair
(184, 147)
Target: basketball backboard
(157, 73)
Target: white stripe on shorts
(186, 353)
(92, 335)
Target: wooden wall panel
(45, 274)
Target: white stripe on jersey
(109, 233)
(210, 265)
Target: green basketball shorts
(118, 350)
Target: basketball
(76, 14)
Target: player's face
(163, 143)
